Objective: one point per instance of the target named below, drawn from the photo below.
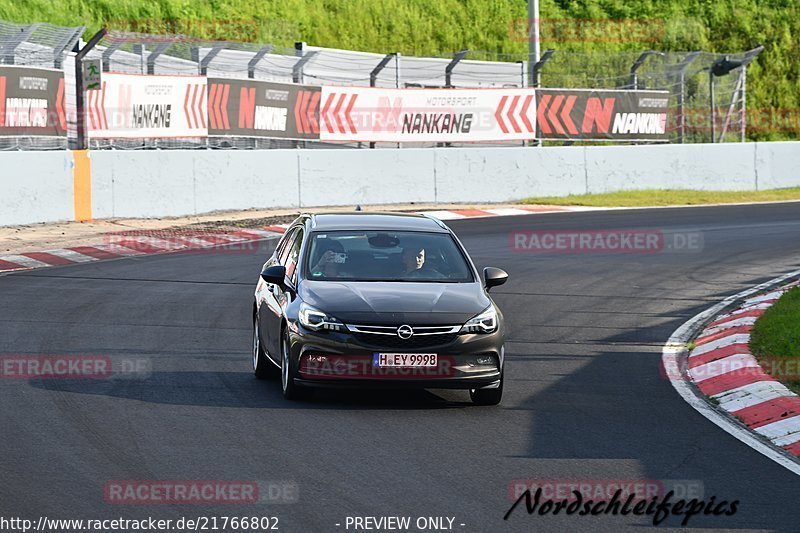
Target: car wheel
(262, 367)
(487, 396)
(290, 390)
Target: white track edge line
(675, 348)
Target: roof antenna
(358, 208)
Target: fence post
(60, 49)
(743, 122)
(151, 59)
(251, 65)
(634, 79)
(218, 46)
(373, 76)
(713, 107)
(448, 71)
(80, 105)
(305, 57)
(682, 66)
(107, 53)
(10, 46)
(536, 70)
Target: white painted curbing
(674, 356)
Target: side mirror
(276, 274)
(494, 277)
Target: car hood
(396, 302)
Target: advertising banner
(251, 108)
(32, 102)
(426, 115)
(134, 106)
(611, 115)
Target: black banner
(32, 102)
(250, 108)
(575, 114)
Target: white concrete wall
(37, 186)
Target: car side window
(287, 246)
(294, 256)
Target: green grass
(776, 334)
(657, 197)
(436, 27)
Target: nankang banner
(604, 115)
(32, 102)
(250, 108)
(426, 115)
(133, 106)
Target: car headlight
(486, 322)
(316, 320)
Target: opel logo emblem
(405, 332)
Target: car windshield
(386, 256)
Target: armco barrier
(41, 187)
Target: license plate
(404, 359)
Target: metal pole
(713, 108)
(734, 100)
(448, 71)
(80, 129)
(397, 78)
(743, 122)
(107, 53)
(397, 70)
(681, 116)
(533, 37)
(11, 44)
(536, 69)
(682, 66)
(634, 79)
(251, 65)
(305, 57)
(215, 50)
(373, 76)
(61, 48)
(151, 59)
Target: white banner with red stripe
(136, 106)
(426, 115)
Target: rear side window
(286, 246)
(294, 256)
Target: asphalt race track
(584, 399)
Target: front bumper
(338, 359)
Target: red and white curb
(143, 242)
(764, 413)
(139, 242)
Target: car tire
(487, 396)
(291, 391)
(262, 366)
